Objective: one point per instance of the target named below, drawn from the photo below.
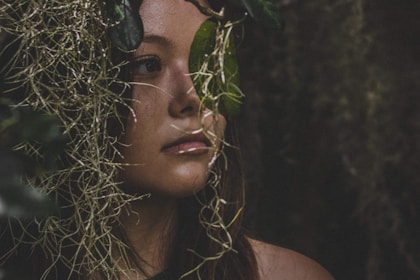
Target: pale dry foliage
(62, 62)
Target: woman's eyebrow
(161, 40)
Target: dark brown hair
(238, 264)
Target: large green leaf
(217, 84)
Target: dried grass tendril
(62, 61)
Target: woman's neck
(150, 226)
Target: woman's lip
(189, 144)
(188, 147)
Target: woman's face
(167, 151)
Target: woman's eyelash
(145, 65)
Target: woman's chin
(179, 180)
(175, 188)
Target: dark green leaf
(127, 31)
(24, 125)
(264, 11)
(16, 199)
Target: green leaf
(218, 88)
(127, 32)
(264, 11)
(16, 199)
(23, 125)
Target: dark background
(331, 134)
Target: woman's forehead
(170, 17)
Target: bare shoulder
(277, 263)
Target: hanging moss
(335, 106)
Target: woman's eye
(145, 65)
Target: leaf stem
(208, 11)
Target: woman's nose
(185, 101)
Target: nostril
(187, 110)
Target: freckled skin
(169, 109)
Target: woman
(183, 154)
(173, 140)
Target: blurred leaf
(16, 199)
(24, 125)
(19, 126)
